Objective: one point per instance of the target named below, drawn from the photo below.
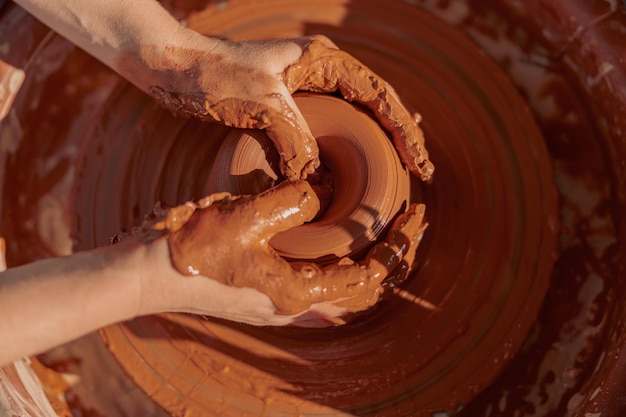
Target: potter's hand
(237, 84)
(221, 244)
(241, 84)
(249, 85)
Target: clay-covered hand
(241, 84)
(249, 85)
(222, 246)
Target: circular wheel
(483, 267)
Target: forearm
(53, 301)
(130, 36)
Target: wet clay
(441, 341)
(362, 184)
(324, 69)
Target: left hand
(248, 84)
(241, 84)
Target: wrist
(160, 287)
(175, 64)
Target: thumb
(287, 205)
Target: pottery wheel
(484, 265)
(433, 344)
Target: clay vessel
(362, 184)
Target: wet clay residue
(467, 324)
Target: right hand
(222, 261)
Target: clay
(320, 68)
(250, 115)
(475, 298)
(363, 185)
(323, 69)
(54, 387)
(370, 188)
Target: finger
(277, 113)
(296, 146)
(324, 69)
(401, 243)
(357, 286)
(305, 41)
(400, 273)
(287, 205)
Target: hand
(221, 246)
(249, 85)
(240, 84)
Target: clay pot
(363, 185)
(517, 101)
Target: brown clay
(368, 185)
(477, 294)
